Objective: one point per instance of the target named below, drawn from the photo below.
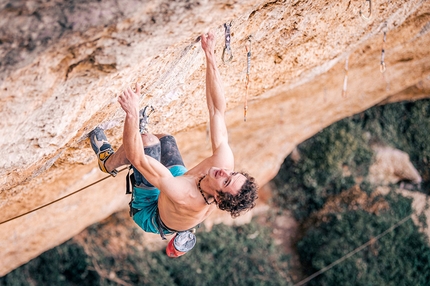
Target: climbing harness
(345, 80)
(367, 18)
(130, 181)
(227, 49)
(248, 68)
(382, 66)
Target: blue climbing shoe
(102, 148)
(144, 119)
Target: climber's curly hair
(243, 201)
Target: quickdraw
(227, 49)
(248, 68)
(345, 80)
(382, 67)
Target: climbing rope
(248, 68)
(227, 49)
(373, 240)
(57, 200)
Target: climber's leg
(117, 160)
(170, 155)
(144, 202)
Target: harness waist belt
(162, 226)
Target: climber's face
(225, 180)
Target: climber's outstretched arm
(222, 154)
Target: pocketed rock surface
(64, 63)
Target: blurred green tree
(401, 257)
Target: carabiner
(248, 55)
(227, 49)
(382, 67)
(370, 11)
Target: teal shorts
(146, 201)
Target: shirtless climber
(168, 198)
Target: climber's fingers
(129, 100)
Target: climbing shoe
(102, 148)
(144, 119)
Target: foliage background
(331, 164)
(346, 145)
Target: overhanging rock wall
(63, 64)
